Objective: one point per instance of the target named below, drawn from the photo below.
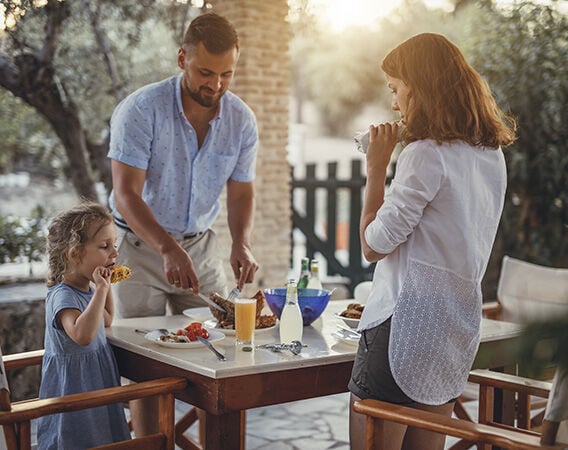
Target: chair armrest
(509, 382)
(25, 359)
(470, 431)
(492, 310)
(32, 409)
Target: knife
(210, 302)
(352, 333)
(209, 345)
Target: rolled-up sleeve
(131, 133)
(419, 175)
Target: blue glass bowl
(312, 302)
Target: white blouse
(437, 226)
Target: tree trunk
(30, 76)
(40, 89)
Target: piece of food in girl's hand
(187, 334)
(120, 273)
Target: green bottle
(304, 274)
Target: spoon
(295, 347)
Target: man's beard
(208, 101)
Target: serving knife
(210, 302)
(209, 345)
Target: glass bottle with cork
(315, 282)
(291, 322)
(304, 274)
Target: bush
(22, 239)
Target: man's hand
(243, 263)
(179, 269)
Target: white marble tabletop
(322, 347)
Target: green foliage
(523, 52)
(142, 39)
(27, 140)
(23, 239)
(543, 344)
(340, 72)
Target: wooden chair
(16, 417)
(483, 434)
(526, 292)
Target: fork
(233, 294)
(159, 330)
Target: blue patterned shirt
(183, 182)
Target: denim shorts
(371, 376)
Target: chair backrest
(530, 292)
(16, 417)
(486, 432)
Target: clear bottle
(315, 282)
(304, 274)
(291, 322)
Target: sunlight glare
(340, 14)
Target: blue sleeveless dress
(69, 368)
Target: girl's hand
(101, 276)
(382, 141)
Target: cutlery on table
(159, 330)
(349, 332)
(295, 347)
(209, 345)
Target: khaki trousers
(148, 293)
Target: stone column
(262, 80)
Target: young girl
(81, 250)
(431, 235)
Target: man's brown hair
(216, 32)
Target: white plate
(212, 324)
(347, 339)
(353, 323)
(199, 314)
(154, 336)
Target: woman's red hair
(449, 100)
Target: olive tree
(522, 52)
(73, 61)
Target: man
(174, 145)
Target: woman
(431, 235)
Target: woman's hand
(382, 141)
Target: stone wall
(22, 327)
(262, 80)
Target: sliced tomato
(204, 333)
(192, 336)
(194, 326)
(180, 332)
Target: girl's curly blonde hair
(69, 229)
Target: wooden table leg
(225, 431)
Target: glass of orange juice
(245, 321)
